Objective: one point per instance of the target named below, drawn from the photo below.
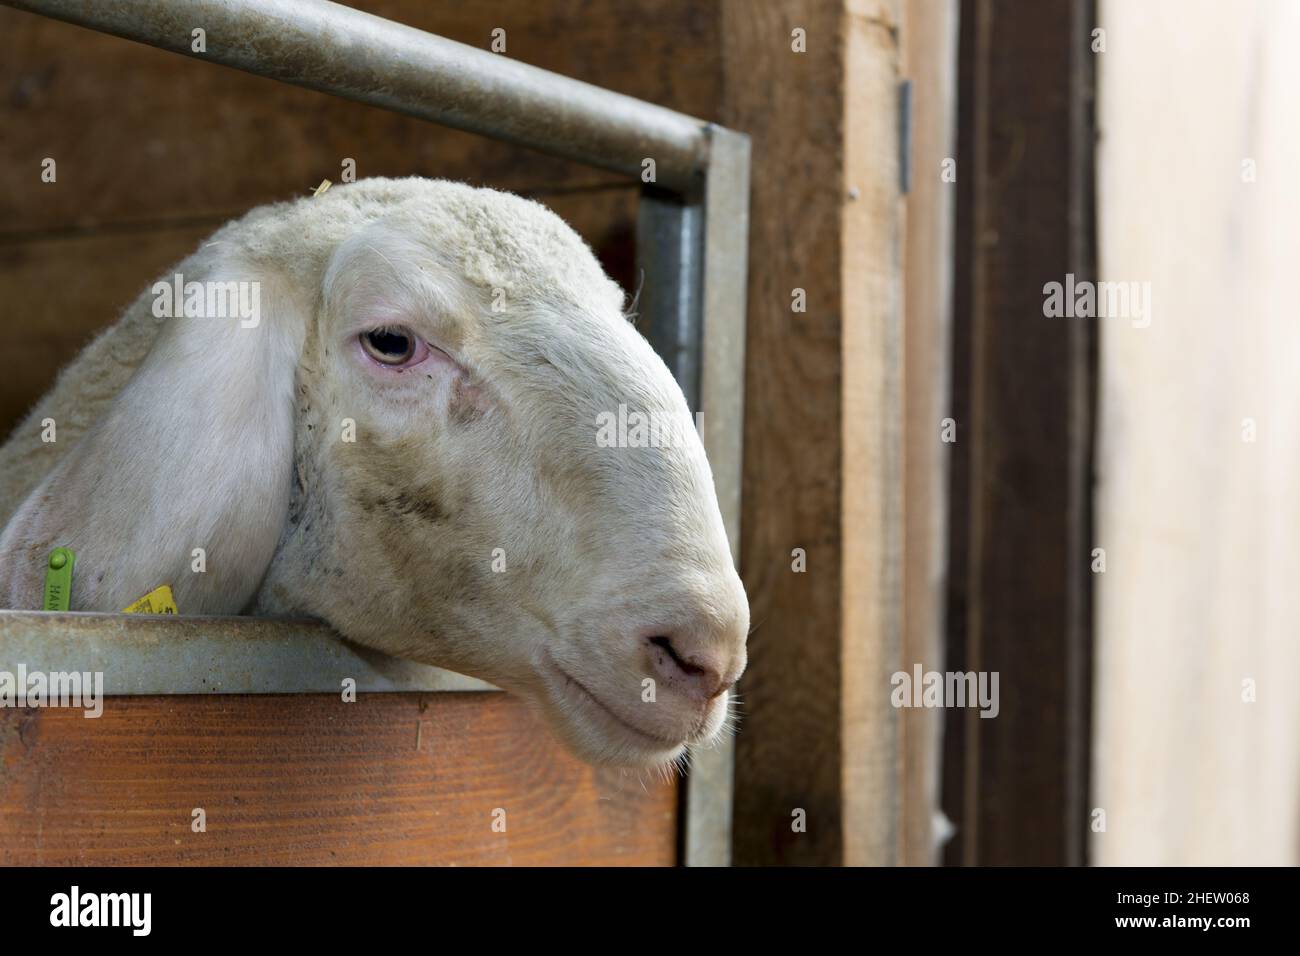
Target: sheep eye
(388, 346)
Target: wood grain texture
(930, 45)
(872, 428)
(815, 737)
(788, 749)
(144, 136)
(309, 780)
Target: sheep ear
(185, 479)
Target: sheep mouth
(575, 688)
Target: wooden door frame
(1020, 588)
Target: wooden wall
(822, 429)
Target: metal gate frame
(692, 243)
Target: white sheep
(468, 343)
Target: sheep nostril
(667, 646)
(695, 674)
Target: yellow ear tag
(157, 601)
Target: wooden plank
(930, 45)
(804, 685)
(788, 748)
(308, 780)
(144, 136)
(1016, 786)
(872, 433)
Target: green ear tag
(58, 579)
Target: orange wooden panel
(308, 779)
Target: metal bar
(725, 250)
(148, 654)
(669, 305)
(669, 251)
(726, 258)
(335, 49)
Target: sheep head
(424, 440)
